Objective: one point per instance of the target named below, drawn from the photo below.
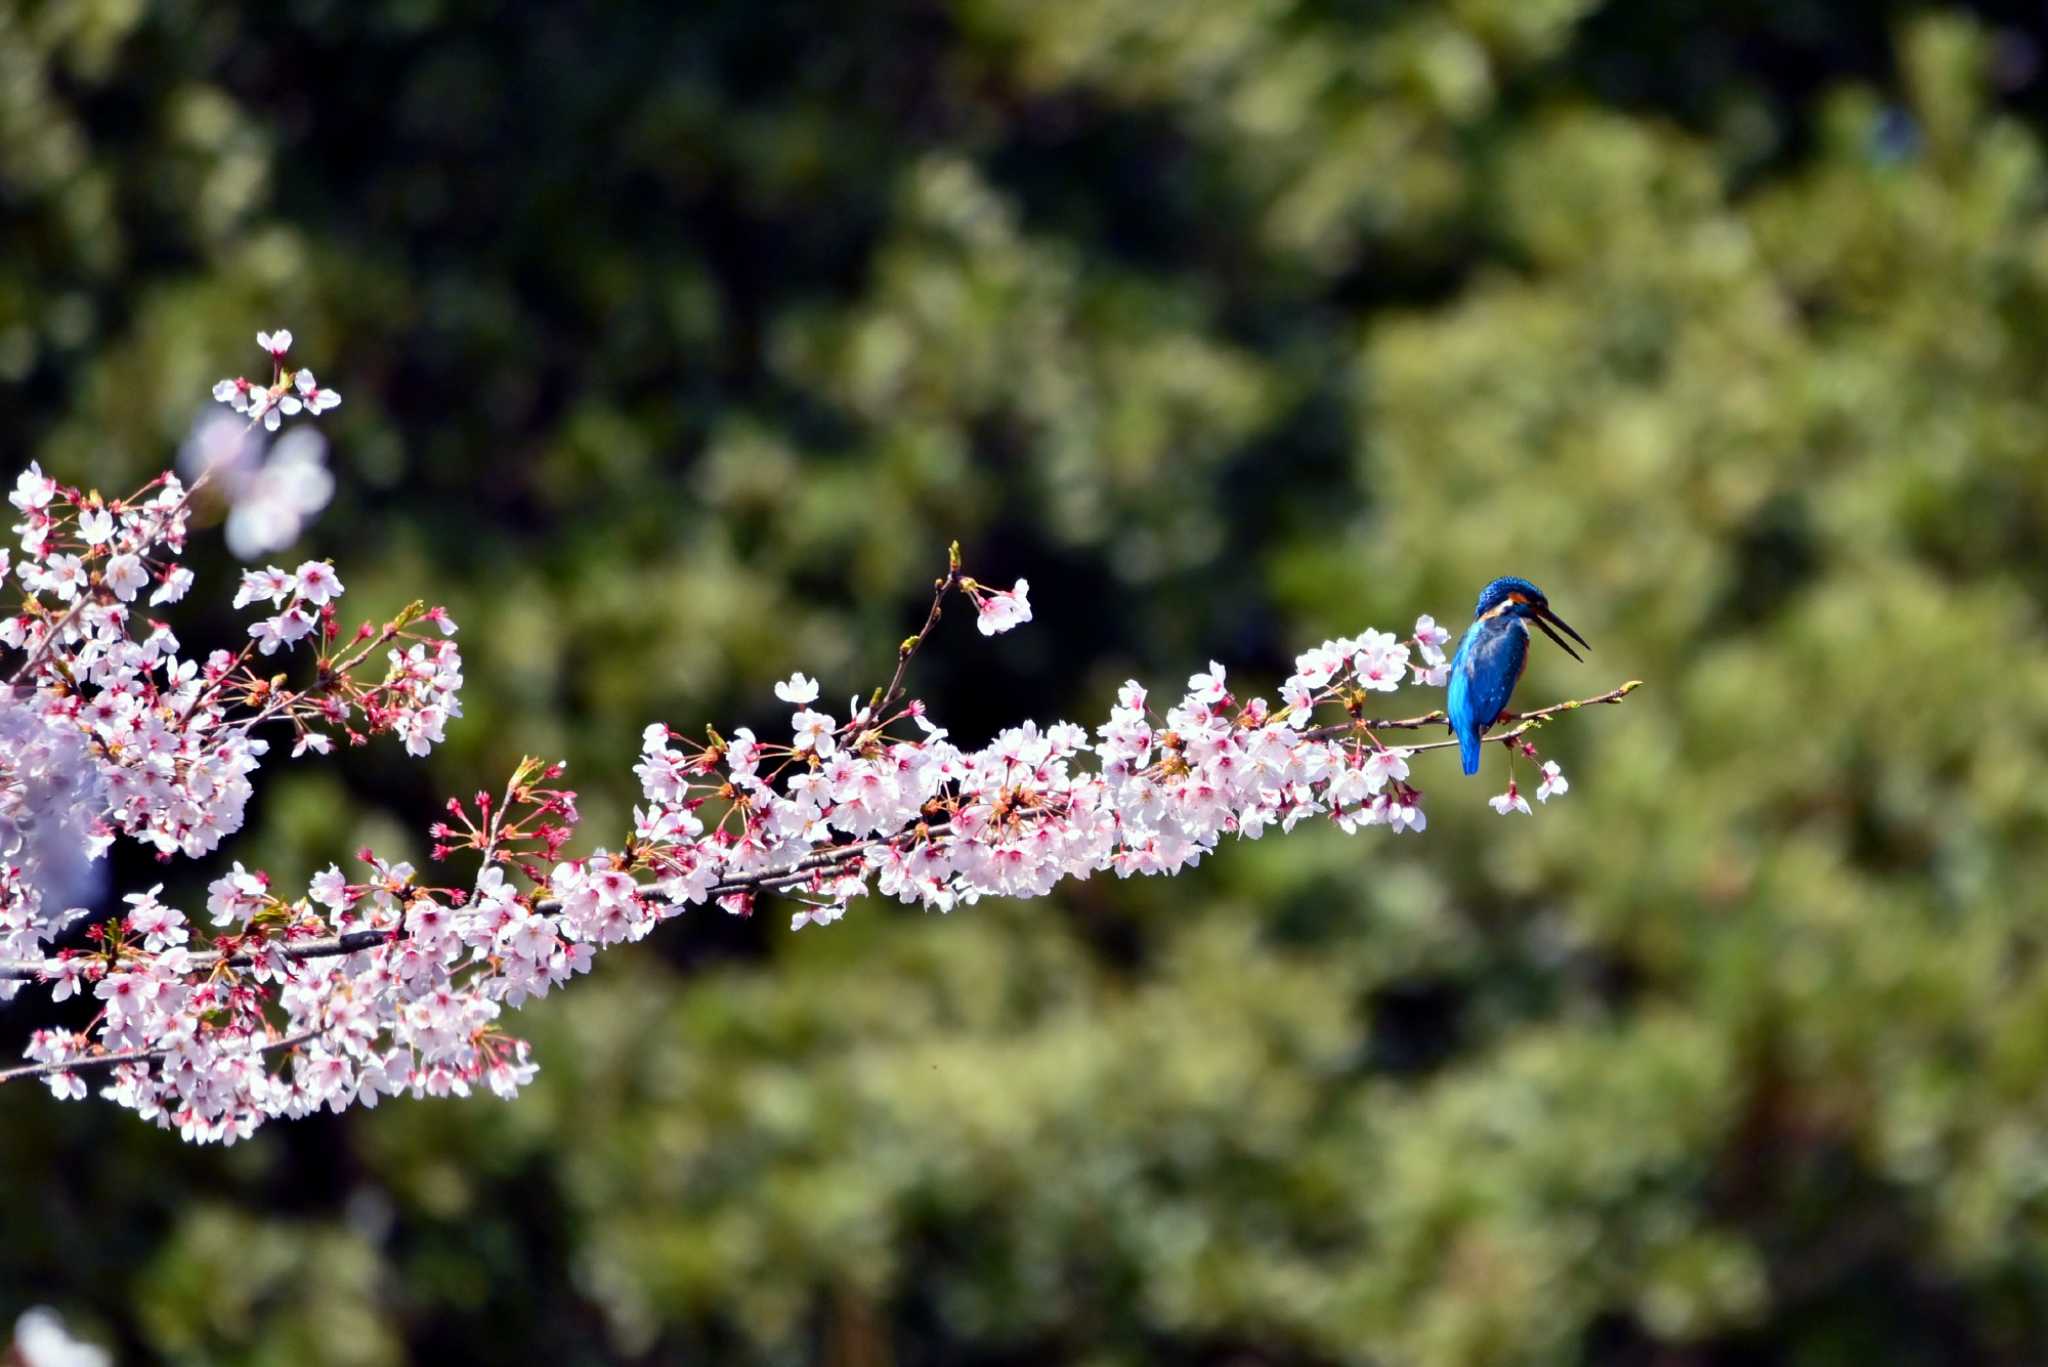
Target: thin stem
(1528, 721)
(343, 663)
(326, 948)
(885, 697)
(95, 1061)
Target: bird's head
(1512, 597)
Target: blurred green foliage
(677, 343)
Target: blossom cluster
(110, 728)
(885, 802)
(359, 988)
(271, 496)
(289, 392)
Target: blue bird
(1491, 655)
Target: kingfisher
(1491, 655)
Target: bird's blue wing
(1492, 667)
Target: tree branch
(1526, 721)
(821, 862)
(886, 696)
(97, 1061)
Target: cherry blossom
(33, 490)
(1383, 765)
(1430, 639)
(269, 582)
(814, 733)
(270, 500)
(1405, 813)
(317, 582)
(126, 576)
(797, 690)
(159, 926)
(95, 527)
(1433, 670)
(1554, 782)
(1208, 687)
(1509, 801)
(999, 610)
(306, 393)
(1380, 661)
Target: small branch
(801, 872)
(334, 946)
(1526, 721)
(97, 1061)
(350, 943)
(885, 697)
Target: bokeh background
(677, 341)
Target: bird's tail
(1468, 747)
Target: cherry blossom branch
(809, 868)
(325, 947)
(396, 983)
(885, 698)
(90, 1062)
(355, 942)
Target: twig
(350, 943)
(95, 1061)
(884, 697)
(1526, 721)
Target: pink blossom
(305, 393)
(317, 582)
(126, 576)
(1000, 610)
(1509, 801)
(1405, 814)
(1430, 639)
(33, 489)
(1383, 764)
(235, 895)
(269, 582)
(96, 527)
(1380, 662)
(814, 733)
(1207, 688)
(797, 690)
(159, 926)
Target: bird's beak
(1544, 617)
